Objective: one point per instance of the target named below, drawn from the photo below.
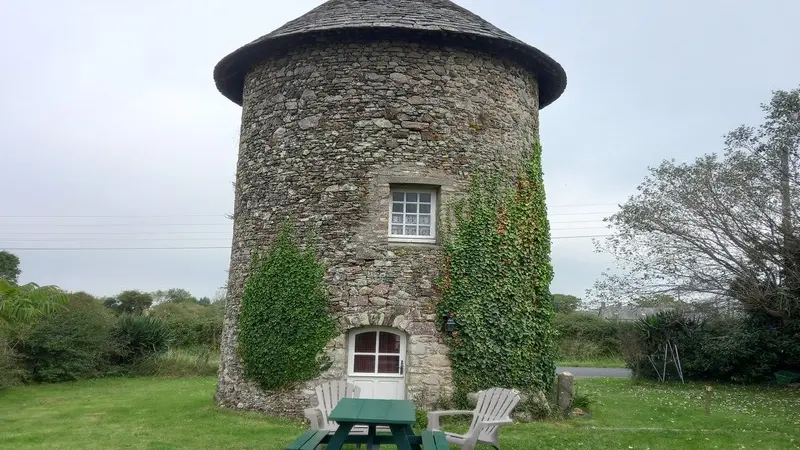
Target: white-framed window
(412, 214)
(376, 352)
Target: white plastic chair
(328, 396)
(492, 410)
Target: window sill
(401, 242)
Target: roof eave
(230, 71)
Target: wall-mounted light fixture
(450, 323)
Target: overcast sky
(109, 112)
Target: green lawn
(147, 413)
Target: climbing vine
(496, 280)
(285, 321)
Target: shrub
(69, 344)
(496, 279)
(580, 328)
(578, 349)
(727, 349)
(191, 324)
(11, 369)
(285, 321)
(138, 337)
(179, 363)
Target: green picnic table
(398, 415)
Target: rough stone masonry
(342, 104)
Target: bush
(579, 349)
(727, 349)
(179, 363)
(69, 344)
(285, 321)
(138, 337)
(587, 333)
(12, 371)
(192, 324)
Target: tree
(657, 300)
(719, 227)
(26, 302)
(9, 267)
(176, 295)
(564, 303)
(131, 302)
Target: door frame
(351, 346)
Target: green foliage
(130, 302)
(586, 333)
(12, 370)
(496, 280)
(29, 301)
(727, 349)
(422, 418)
(9, 267)
(138, 337)
(565, 304)
(179, 363)
(68, 344)
(285, 321)
(192, 324)
(176, 295)
(582, 401)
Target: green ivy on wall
(285, 321)
(496, 280)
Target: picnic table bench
(434, 440)
(308, 440)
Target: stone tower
(363, 118)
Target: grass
(160, 413)
(612, 362)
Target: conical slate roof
(435, 21)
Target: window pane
(397, 218)
(424, 231)
(365, 342)
(411, 207)
(425, 208)
(397, 196)
(389, 364)
(364, 364)
(424, 219)
(411, 218)
(397, 229)
(426, 198)
(389, 343)
(411, 230)
(411, 197)
(397, 207)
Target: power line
(227, 236)
(112, 216)
(34, 233)
(115, 225)
(144, 216)
(204, 247)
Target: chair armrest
(497, 423)
(433, 417)
(476, 431)
(312, 414)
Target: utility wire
(206, 247)
(142, 216)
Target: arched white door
(376, 362)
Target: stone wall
(325, 131)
